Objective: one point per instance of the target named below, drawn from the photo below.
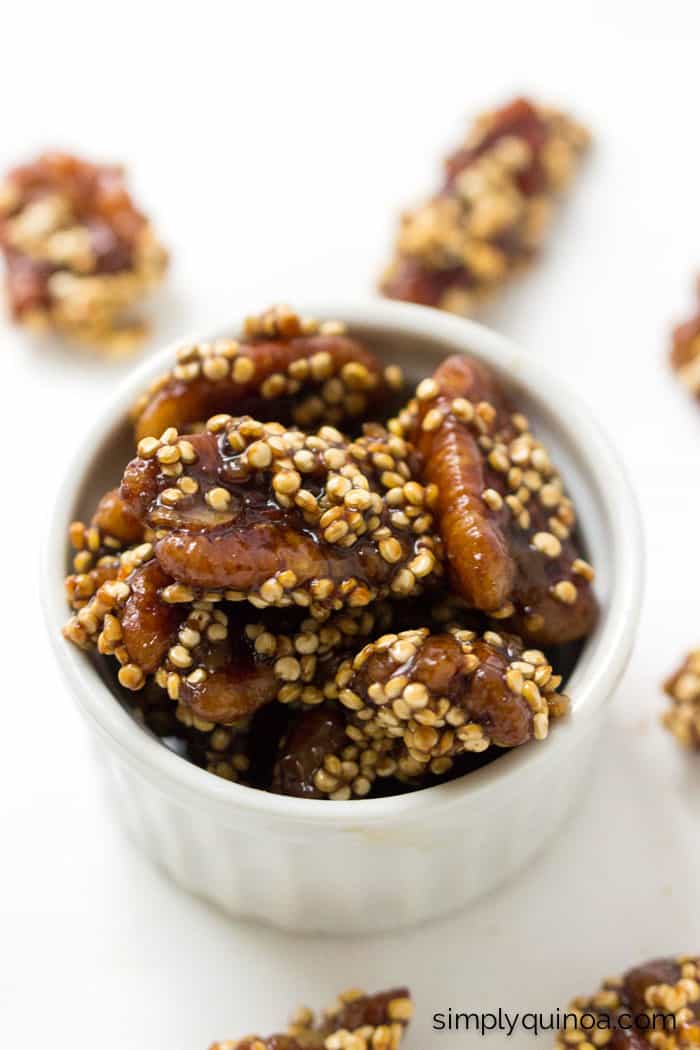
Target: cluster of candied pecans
(78, 253)
(682, 717)
(355, 1022)
(321, 606)
(489, 217)
(653, 1005)
(330, 612)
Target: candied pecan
(685, 350)
(354, 1010)
(214, 662)
(506, 522)
(355, 1022)
(281, 517)
(115, 520)
(285, 369)
(320, 533)
(97, 546)
(224, 668)
(148, 624)
(683, 716)
(444, 694)
(78, 254)
(314, 736)
(653, 1005)
(491, 213)
(127, 617)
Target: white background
(273, 145)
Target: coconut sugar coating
(685, 350)
(315, 613)
(279, 517)
(683, 688)
(507, 525)
(285, 369)
(355, 1022)
(491, 213)
(78, 253)
(653, 1005)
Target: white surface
(364, 866)
(273, 146)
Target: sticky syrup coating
(356, 1021)
(491, 213)
(682, 718)
(217, 661)
(669, 986)
(412, 702)
(78, 252)
(244, 580)
(278, 517)
(284, 369)
(506, 521)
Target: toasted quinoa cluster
(79, 255)
(490, 215)
(683, 716)
(298, 609)
(355, 1022)
(685, 350)
(653, 1005)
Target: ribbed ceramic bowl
(373, 864)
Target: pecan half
(282, 518)
(491, 213)
(445, 694)
(355, 1022)
(683, 688)
(507, 524)
(653, 1005)
(77, 251)
(284, 369)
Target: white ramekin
(371, 864)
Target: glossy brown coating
(477, 550)
(114, 518)
(231, 693)
(149, 625)
(284, 517)
(357, 1010)
(656, 1005)
(490, 214)
(287, 370)
(506, 522)
(355, 1022)
(313, 736)
(445, 694)
(244, 578)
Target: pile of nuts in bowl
(314, 604)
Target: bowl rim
(192, 784)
